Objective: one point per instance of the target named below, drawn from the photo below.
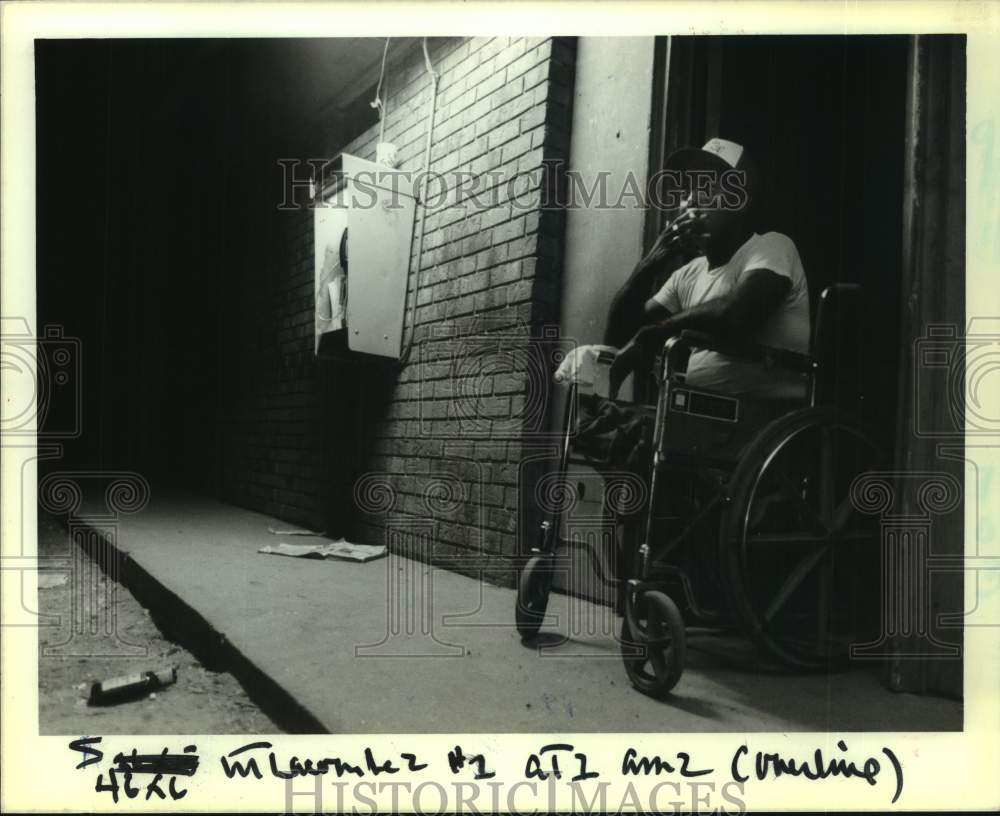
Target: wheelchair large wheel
(653, 644)
(800, 565)
(533, 588)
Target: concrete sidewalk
(318, 640)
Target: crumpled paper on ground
(340, 549)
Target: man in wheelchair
(741, 286)
(749, 458)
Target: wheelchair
(750, 522)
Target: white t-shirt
(787, 327)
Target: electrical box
(363, 227)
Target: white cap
(717, 153)
(729, 152)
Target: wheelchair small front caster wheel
(653, 644)
(533, 588)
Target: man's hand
(686, 231)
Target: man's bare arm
(732, 316)
(671, 249)
(626, 310)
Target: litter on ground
(272, 531)
(331, 549)
(129, 686)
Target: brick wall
(430, 454)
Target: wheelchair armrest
(747, 351)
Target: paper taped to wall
(330, 289)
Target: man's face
(722, 204)
(721, 226)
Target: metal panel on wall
(380, 229)
(363, 230)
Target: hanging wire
(427, 62)
(377, 102)
(421, 203)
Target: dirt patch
(93, 629)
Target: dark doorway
(824, 118)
